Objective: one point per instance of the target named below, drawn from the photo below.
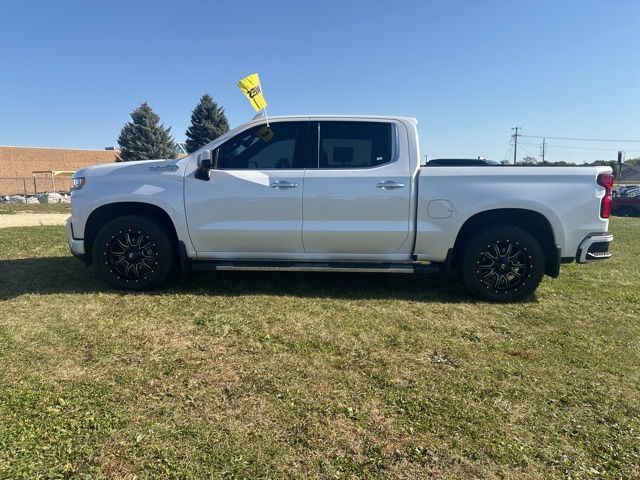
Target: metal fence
(629, 175)
(33, 185)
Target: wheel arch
(109, 211)
(531, 221)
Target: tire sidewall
(159, 236)
(472, 250)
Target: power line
(507, 153)
(571, 147)
(574, 147)
(528, 152)
(581, 139)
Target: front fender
(143, 182)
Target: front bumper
(594, 247)
(76, 246)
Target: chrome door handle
(281, 184)
(389, 185)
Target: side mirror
(205, 164)
(265, 133)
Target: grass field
(256, 375)
(13, 208)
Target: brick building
(17, 165)
(21, 161)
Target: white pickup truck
(337, 193)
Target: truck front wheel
(133, 253)
(502, 263)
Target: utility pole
(543, 148)
(515, 143)
(619, 165)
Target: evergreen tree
(208, 122)
(144, 138)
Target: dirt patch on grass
(25, 219)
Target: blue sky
(72, 71)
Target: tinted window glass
(354, 144)
(259, 148)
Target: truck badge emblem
(164, 168)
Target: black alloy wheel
(503, 266)
(502, 263)
(133, 253)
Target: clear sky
(72, 71)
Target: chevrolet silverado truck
(337, 193)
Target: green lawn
(11, 208)
(259, 375)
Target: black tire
(502, 264)
(626, 212)
(133, 253)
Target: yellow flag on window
(250, 86)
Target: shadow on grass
(66, 275)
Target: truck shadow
(66, 275)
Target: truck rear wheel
(502, 263)
(133, 253)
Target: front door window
(279, 146)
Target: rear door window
(355, 144)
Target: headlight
(78, 183)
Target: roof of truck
(298, 117)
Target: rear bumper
(594, 247)
(76, 246)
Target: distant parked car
(628, 191)
(625, 206)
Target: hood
(130, 168)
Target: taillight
(605, 180)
